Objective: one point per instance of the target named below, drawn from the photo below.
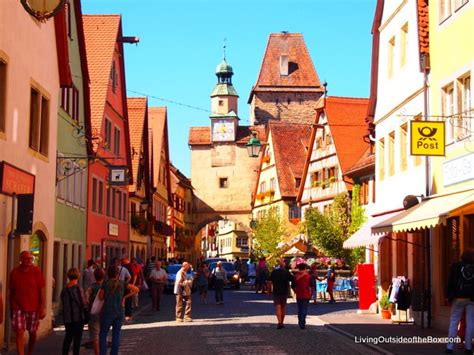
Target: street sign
(427, 138)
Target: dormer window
(284, 61)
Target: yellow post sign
(427, 138)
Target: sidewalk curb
(352, 336)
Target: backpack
(466, 281)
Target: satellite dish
(409, 201)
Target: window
(108, 134)
(297, 182)
(119, 197)
(39, 122)
(272, 184)
(263, 186)
(223, 183)
(381, 155)
(114, 77)
(100, 208)
(328, 139)
(109, 202)
(417, 157)
(221, 102)
(3, 92)
(457, 108)
(116, 141)
(242, 242)
(114, 204)
(94, 195)
(67, 7)
(444, 9)
(364, 192)
(403, 44)
(124, 207)
(294, 212)
(403, 147)
(70, 102)
(391, 153)
(391, 55)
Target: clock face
(223, 131)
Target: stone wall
(283, 106)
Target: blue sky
(181, 44)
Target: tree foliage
(329, 230)
(268, 232)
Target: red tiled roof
(202, 135)
(137, 107)
(364, 166)
(290, 147)
(423, 27)
(101, 32)
(346, 120)
(302, 73)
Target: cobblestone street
(245, 324)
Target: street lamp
(42, 10)
(254, 146)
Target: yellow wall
(452, 55)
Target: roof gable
(137, 112)
(290, 146)
(301, 71)
(346, 119)
(101, 33)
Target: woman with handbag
(74, 312)
(113, 295)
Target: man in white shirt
(182, 290)
(158, 278)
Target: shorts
(22, 320)
(279, 300)
(94, 327)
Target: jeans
(219, 288)
(128, 306)
(73, 332)
(107, 321)
(302, 312)
(458, 306)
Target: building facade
(107, 220)
(29, 91)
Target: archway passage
(37, 248)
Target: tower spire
(224, 48)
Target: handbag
(97, 305)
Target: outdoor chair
(341, 287)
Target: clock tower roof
(224, 87)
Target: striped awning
(429, 213)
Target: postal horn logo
(428, 138)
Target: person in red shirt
(27, 300)
(303, 287)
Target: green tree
(329, 230)
(358, 218)
(268, 232)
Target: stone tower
(287, 86)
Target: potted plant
(384, 304)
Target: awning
(429, 213)
(364, 236)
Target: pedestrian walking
(203, 282)
(331, 278)
(220, 278)
(460, 293)
(27, 301)
(158, 278)
(182, 291)
(94, 320)
(88, 276)
(126, 264)
(113, 295)
(262, 275)
(303, 288)
(74, 312)
(280, 278)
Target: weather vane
(224, 47)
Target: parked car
(214, 260)
(171, 271)
(233, 277)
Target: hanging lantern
(43, 9)
(254, 146)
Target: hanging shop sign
(118, 175)
(458, 170)
(427, 138)
(14, 180)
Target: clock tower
(224, 119)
